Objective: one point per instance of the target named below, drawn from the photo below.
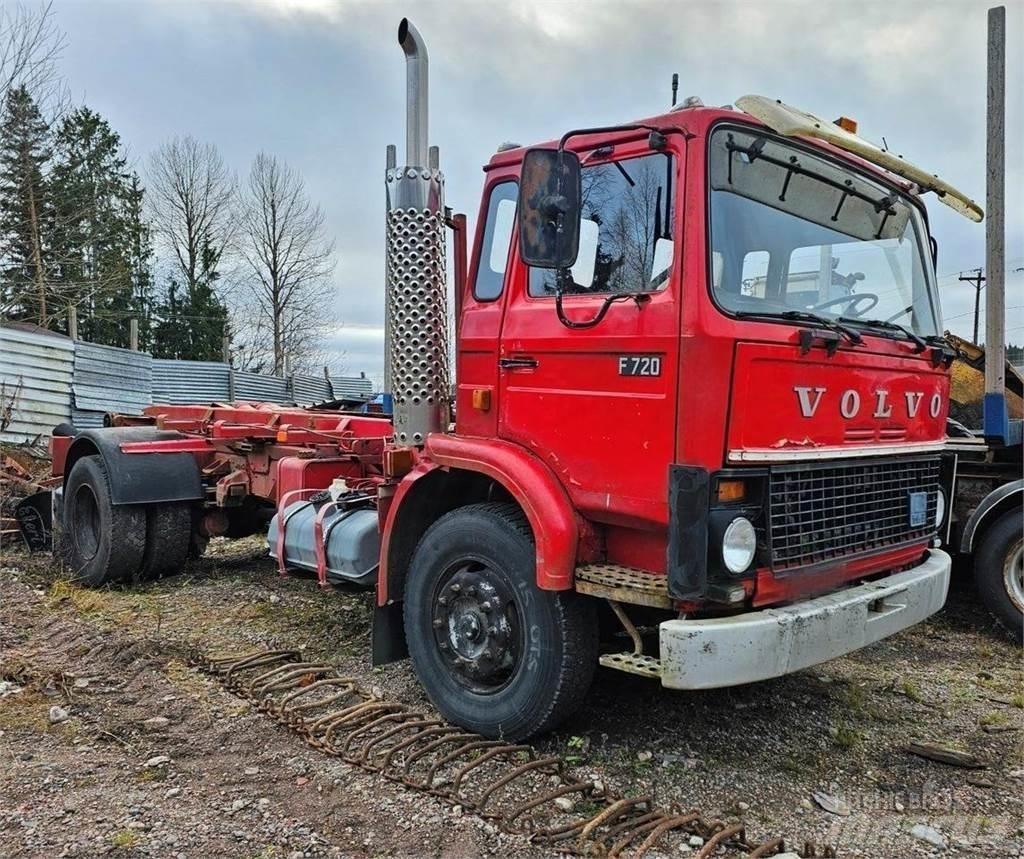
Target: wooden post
(995, 182)
(72, 322)
(133, 334)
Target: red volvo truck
(699, 392)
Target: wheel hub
(476, 627)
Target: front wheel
(999, 572)
(495, 654)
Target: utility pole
(996, 423)
(133, 334)
(72, 322)
(977, 280)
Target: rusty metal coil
(508, 784)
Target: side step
(623, 584)
(632, 663)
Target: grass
(993, 717)
(847, 738)
(912, 691)
(124, 839)
(27, 710)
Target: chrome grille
(822, 512)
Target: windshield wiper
(919, 344)
(824, 322)
(806, 316)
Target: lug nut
(456, 588)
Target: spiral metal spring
(509, 784)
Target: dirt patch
(236, 784)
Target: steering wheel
(852, 301)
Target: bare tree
(191, 193)
(291, 258)
(30, 45)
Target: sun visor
(792, 122)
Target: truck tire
(168, 535)
(103, 543)
(494, 653)
(999, 572)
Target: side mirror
(935, 251)
(549, 208)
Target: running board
(632, 663)
(623, 584)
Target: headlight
(739, 543)
(940, 508)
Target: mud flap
(388, 644)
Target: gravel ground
(111, 744)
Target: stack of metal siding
(263, 389)
(35, 381)
(108, 379)
(352, 388)
(310, 389)
(180, 382)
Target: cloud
(321, 84)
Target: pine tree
(24, 152)
(192, 321)
(140, 256)
(96, 246)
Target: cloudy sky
(320, 83)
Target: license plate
(918, 512)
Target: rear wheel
(999, 572)
(495, 654)
(102, 542)
(168, 535)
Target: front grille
(822, 512)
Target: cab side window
(501, 217)
(626, 234)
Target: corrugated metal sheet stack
(35, 382)
(108, 379)
(348, 387)
(181, 382)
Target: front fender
(139, 478)
(534, 487)
(993, 504)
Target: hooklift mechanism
(649, 427)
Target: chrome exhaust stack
(416, 311)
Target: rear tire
(494, 653)
(999, 572)
(168, 535)
(102, 542)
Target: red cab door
(598, 403)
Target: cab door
(598, 403)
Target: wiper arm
(831, 324)
(919, 344)
(806, 316)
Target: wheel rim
(476, 623)
(86, 522)
(1013, 575)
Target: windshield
(791, 231)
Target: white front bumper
(744, 648)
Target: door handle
(517, 363)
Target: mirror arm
(597, 317)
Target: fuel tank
(350, 536)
